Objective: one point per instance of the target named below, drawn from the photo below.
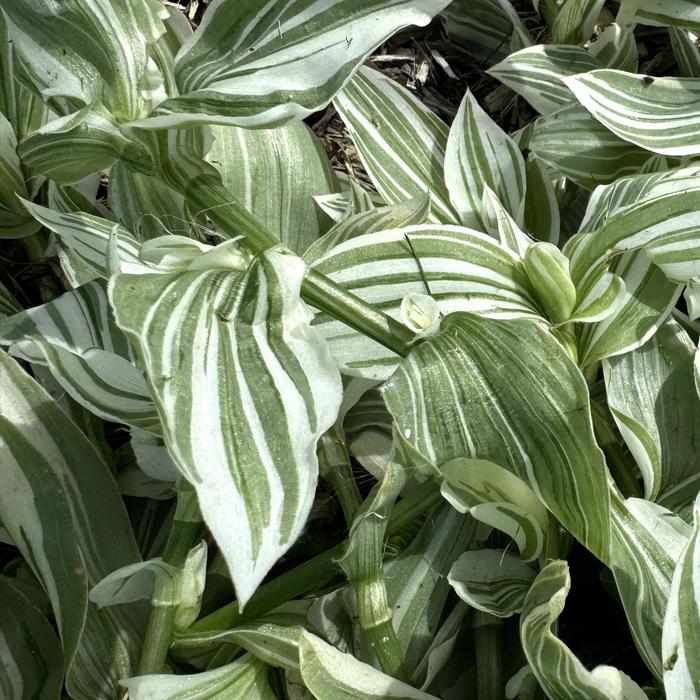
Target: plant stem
(489, 663)
(212, 198)
(314, 572)
(186, 528)
(335, 468)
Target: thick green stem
(187, 527)
(212, 198)
(488, 632)
(314, 572)
(335, 468)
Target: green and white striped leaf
(275, 173)
(529, 412)
(498, 498)
(76, 338)
(14, 220)
(664, 13)
(492, 581)
(616, 47)
(255, 475)
(560, 673)
(87, 50)
(145, 205)
(657, 114)
(686, 51)
(253, 66)
(30, 652)
(681, 631)
(488, 29)
(657, 411)
(244, 678)
(536, 73)
(582, 149)
(466, 271)
(400, 141)
(329, 673)
(61, 506)
(479, 155)
(88, 238)
(647, 543)
(408, 213)
(70, 148)
(575, 21)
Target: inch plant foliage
(271, 431)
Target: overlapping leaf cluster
(487, 361)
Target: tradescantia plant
(487, 360)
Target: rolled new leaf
(548, 270)
(244, 389)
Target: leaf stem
(488, 632)
(335, 468)
(186, 528)
(314, 572)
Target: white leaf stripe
(30, 652)
(466, 271)
(681, 13)
(582, 149)
(647, 542)
(480, 155)
(506, 400)
(658, 114)
(535, 73)
(89, 356)
(400, 141)
(685, 51)
(235, 353)
(70, 542)
(279, 60)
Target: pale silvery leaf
(681, 630)
(87, 50)
(536, 73)
(480, 154)
(400, 141)
(244, 678)
(70, 148)
(70, 542)
(75, 336)
(275, 173)
(559, 672)
(255, 475)
(657, 410)
(255, 65)
(465, 270)
(657, 114)
(329, 673)
(488, 29)
(30, 652)
(492, 581)
(450, 399)
(499, 499)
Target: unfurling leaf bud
(421, 314)
(548, 270)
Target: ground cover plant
(424, 425)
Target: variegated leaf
(292, 165)
(542, 217)
(681, 630)
(616, 47)
(576, 20)
(30, 652)
(465, 271)
(528, 412)
(536, 73)
(685, 48)
(657, 114)
(479, 155)
(559, 672)
(255, 475)
(61, 506)
(665, 13)
(657, 410)
(492, 581)
(401, 142)
(76, 337)
(255, 65)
